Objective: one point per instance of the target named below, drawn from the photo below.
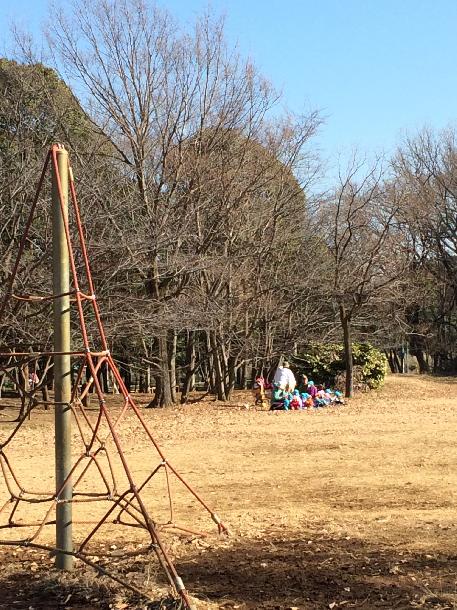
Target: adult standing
(285, 378)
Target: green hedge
(324, 363)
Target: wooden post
(62, 363)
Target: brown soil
(348, 507)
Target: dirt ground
(345, 507)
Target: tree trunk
(172, 363)
(388, 354)
(113, 383)
(166, 398)
(404, 359)
(346, 325)
(23, 387)
(218, 369)
(48, 385)
(127, 377)
(157, 400)
(142, 384)
(210, 374)
(190, 366)
(417, 349)
(103, 378)
(417, 342)
(243, 375)
(421, 360)
(232, 369)
(25, 376)
(46, 374)
(86, 399)
(397, 361)
(148, 379)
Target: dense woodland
(212, 251)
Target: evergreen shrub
(325, 363)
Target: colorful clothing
(277, 399)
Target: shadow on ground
(26, 583)
(273, 572)
(303, 573)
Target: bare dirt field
(346, 507)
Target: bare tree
(366, 247)
(153, 90)
(426, 171)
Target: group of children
(313, 398)
(284, 396)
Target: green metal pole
(62, 364)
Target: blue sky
(375, 68)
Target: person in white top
(285, 378)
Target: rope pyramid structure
(99, 446)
